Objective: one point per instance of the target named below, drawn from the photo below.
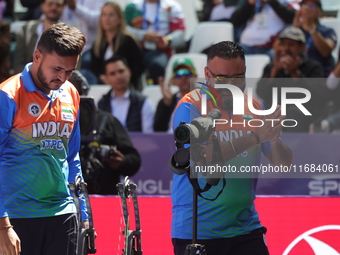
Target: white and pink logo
(322, 240)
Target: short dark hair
(226, 50)
(116, 58)
(64, 40)
(43, 1)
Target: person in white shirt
(264, 19)
(129, 106)
(159, 26)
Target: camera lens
(182, 134)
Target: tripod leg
(195, 249)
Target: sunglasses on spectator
(221, 78)
(180, 74)
(50, 4)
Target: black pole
(194, 248)
(194, 216)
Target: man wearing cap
(320, 40)
(291, 62)
(183, 70)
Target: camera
(199, 130)
(107, 150)
(195, 133)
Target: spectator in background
(264, 21)
(320, 40)
(27, 38)
(129, 106)
(331, 121)
(84, 14)
(122, 160)
(7, 10)
(223, 10)
(114, 39)
(33, 9)
(182, 71)
(208, 6)
(5, 43)
(290, 62)
(159, 26)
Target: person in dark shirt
(320, 40)
(113, 156)
(291, 63)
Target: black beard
(227, 100)
(41, 77)
(227, 104)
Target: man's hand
(115, 160)
(271, 129)
(291, 64)
(305, 18)
(9, 242)
(71, 4)
(163, 42)
(167, 95)
(87, 225)
(152, 36)
(297, 21)
(308, 22)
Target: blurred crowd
(129, 46)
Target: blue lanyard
(257, 6)
(156, 22)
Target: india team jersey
(39, 143)
(233, 212)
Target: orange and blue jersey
(233, 212)
(39, 144)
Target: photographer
(116, 156)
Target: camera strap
(199, 190)
(216, 157)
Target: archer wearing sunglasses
(229, 224)
(221, 73)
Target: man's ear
(37, 55)
(206, 72)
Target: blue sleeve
(7, 113)
(74, 163)
(329, 33)
(185, 112)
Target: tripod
(133, 244)
(194, 248)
